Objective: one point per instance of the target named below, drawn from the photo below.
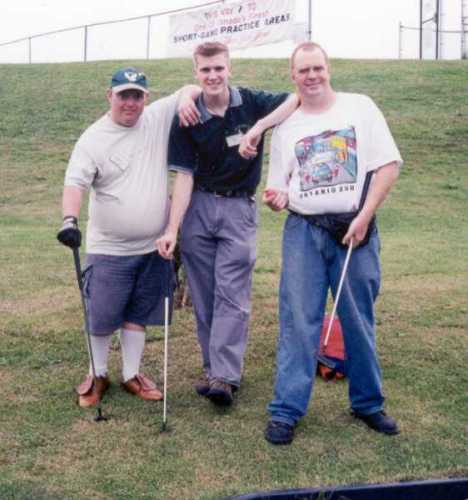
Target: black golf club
(76, 256)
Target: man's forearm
(381, 184)
(181, 194)
(280, 113)
(191, 91)
(71, 201)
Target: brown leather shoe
(202, 385)
(89, 393)
(143, 387)
(220, 393)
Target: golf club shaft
(338, 293)
(166, 335)
(76, 257)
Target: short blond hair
(210, 49)
(308, 47)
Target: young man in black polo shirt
(218, 235)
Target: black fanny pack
(337, 225)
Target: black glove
(69, 233)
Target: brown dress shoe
(143, 387)
(89, 393)
(202, 385)
(220, 393)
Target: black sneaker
(379, 421)
(279, 432)
(220, 393)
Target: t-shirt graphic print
(327, 159)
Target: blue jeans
(312, 263)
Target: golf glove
(69, 233)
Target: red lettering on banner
(259, 15)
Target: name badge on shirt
(234, 140)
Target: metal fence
(136, 38)
(91, 41)
(437, 36)
(426, 43)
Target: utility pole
(309, 22)
(420, 29)
(437, 21)
(464, 29)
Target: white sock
(132, 343)
(100, 347)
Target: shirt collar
(235, 99)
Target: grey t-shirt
(125, 169)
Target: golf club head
(326, 362)
(100, 417)
(164, 428)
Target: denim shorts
(120, 289)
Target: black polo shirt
(210, 150)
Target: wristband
(70, 218)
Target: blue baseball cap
(129, 78)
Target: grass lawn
(51, 449)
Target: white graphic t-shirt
(321, 159)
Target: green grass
(51, 449)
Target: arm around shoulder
(248, 146)
(187, 109)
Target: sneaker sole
(281, 442)
(389, 432)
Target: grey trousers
(218, 246)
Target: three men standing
(319, 160)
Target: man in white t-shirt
(122, 160)
(320, 159)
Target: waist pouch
(337, 225)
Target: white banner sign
(238, 25)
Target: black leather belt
(232, 193)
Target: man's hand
(166, 244)
(69, 234)
(357, 231)
(275, 199)
(187, 111)
(249, 142)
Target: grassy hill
(50, 448)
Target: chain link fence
(131, 38)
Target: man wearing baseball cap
(122, 161)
